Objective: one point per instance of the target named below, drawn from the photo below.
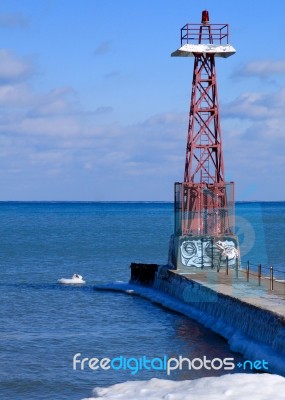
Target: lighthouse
(204, 202)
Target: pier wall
(253, 331)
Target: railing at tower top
(205, 33)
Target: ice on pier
(231, 387)
(254, 335)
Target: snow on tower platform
(190, 50)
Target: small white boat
(76, 279)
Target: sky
(93, 108)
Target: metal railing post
(271, 278)
(237, 267)
(227, 265)
(259, 274)
(247, 271)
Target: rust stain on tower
(204, 201)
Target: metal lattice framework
(204, 158)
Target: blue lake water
(43, 324)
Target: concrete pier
(235, 285)
(237, 306)
(250, 316)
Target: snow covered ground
(230, 387)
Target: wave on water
(47, 286)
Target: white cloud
(112, 74)
(59, 126)
(14, 20)
(13, 68)
(261, 69)
(17, 95)
(103, 48)
(148, 155)
(102, 110)
(58, 102)
(255, 143)
(247, 105)
(50, 136)
(256, 105)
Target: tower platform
(190, 50)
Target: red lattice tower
(204, 200)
